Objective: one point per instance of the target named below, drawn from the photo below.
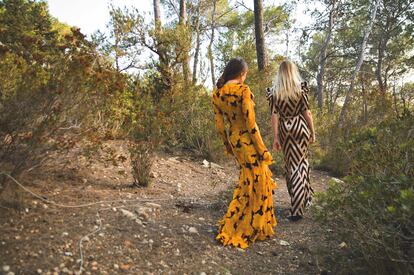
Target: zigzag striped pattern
(294, 137)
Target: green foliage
(196, 126)
(372, 211)
(52, 81)
(141, 155)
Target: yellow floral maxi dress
(250, 215)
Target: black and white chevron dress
(294, 137)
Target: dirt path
(173, 233)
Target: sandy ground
(167, 228)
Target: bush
(373, 210)
(141, 154)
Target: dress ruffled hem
(243, 243)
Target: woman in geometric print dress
(293, 131)
(250, 215)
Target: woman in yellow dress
(250, 215)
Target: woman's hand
(312, 138)
(276, 144)
(229, 150)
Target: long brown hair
(234, 68)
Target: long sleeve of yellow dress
(251, 125)
(219, 121)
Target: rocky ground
(167, 228)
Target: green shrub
(141, 154)
(373, 210)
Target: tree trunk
(198, 43)
(322, 55)
(382, 82)
(163, 66)
(183, 12)
(186, 58)
(364, 101)
(287, 44)
(157, 14)
(394, 95)
(344, 110)
(210, 45)
(259, 34)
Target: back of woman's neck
(234, 81)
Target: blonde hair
(288, 82)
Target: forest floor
(167, 228)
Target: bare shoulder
(269, 93)
(305, 87)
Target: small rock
(201, 219)
(310, 263)
(39, 271)
(342, 245)
(84, 180)
(284, 243)
(153, 205)
(337, 180)
(203, 273)
(131, 216)
(10, 273)
(65, 234)
(206, 163)
(65, 270)
(116, 266)
(143, 213)
(203, 261)
(6, 268)
(214, 165)
(124, 267)
(192, 229)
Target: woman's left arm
(219, 122)
(308, 117)
(251, 125)
(307, 113)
